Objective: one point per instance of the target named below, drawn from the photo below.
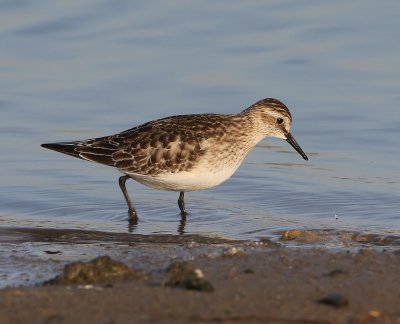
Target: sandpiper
(185, 152)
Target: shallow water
(72, 71)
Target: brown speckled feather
(166, 145)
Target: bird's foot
(132, 214)
(184, 213)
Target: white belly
(218, 165)
(197, 179)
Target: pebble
(233, 251)
(184, 275)
(334, 273)
(99, 270)
(334, 300)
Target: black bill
(290, 139)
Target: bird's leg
(181, 204)
(131, 209)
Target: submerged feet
(131, 210)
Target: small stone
(52, 252)
(99, 270)
(334, 300)
(233, 251)
(334, 273)
(291, 235)
(374, 313)
(86, 286)
(248, 271)
(185, 275)
(198, 273)
(363, 238)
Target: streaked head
(273, 118)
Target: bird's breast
(218, 164)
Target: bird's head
(273, 118)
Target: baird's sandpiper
(186, 152)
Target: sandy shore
(265, 283)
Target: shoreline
(263, 282)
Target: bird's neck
(251, 128)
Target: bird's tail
(96, 150)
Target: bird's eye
(279, 120)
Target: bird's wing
(163, 146)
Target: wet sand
(252, 282)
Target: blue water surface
(72, 70)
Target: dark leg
(131, 209)
(181, 204)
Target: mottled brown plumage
(186, 152)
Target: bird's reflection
(181, 226)
(134, 221)
(132, 224)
